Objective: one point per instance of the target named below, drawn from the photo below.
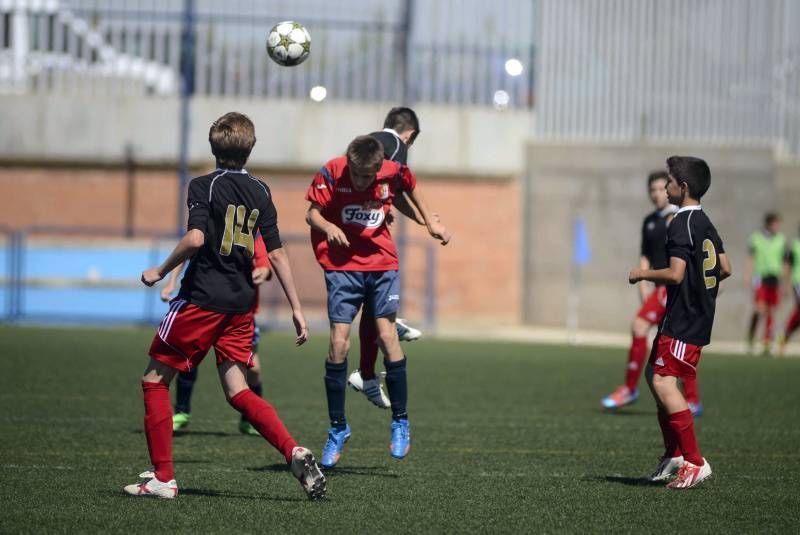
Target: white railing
(718, 71)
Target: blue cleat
(620, 398)
(401, 439)
(332, 451)
(696, 408)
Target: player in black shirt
(214, 307)
(697, 263)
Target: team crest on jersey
(383, 191)
(366, 215)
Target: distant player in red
(654, 299)
(186, 380)
(350, 198)
(792, 282)
(765, 266)
(214, 307)
(697, 264)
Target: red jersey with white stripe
(360, 214)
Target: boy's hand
(438, 231)
(300, 327)
(261, 275)
(337, 236)
(151, 276)
(635, 276)
(166, 292)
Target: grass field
(506, 438)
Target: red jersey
(360, 214)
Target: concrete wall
(606, 185)
(291, 134)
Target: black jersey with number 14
(690, 305)
(230, 207)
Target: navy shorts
(378, 291)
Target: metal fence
(448, 51)
(719, 71)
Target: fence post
(188, 38)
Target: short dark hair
(770, 218)
(402, 119)
(693, 171)
(657, 175)
(232, 137)
(365, 152)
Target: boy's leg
(253, 377)
(183, 398)
(158, 418)
(368, 336)
(794, 320)
(336, 374)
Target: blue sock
(397, 385)
(183, 394)
(335, 387)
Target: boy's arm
(261, 272)
(644, 289)
(404, 207)
(166, 292)
(316, 221)
(672, 275)
(725, 270)
(435, 227)
(188, 246)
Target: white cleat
(148, 474)
(307, 471)
(372, 388)
(668, 468)
(153, 488)
(690, 475)
(405, 332)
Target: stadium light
(318, 93)
(501, 99)
(514, 67)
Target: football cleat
(332, 451)
(620, 397)
(690, 475)
(667, 468)
(696, 408)
(401, 439)
(372, 388)
(180, 420)
(405, 332)
(305, 468)
(246, 428)
(148, 474)
(153, 488)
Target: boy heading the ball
(350, 198)
(214, 307)
(697, 263)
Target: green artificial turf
(506, 438)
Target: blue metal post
(188, 40)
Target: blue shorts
(378, 291)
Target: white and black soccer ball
(288, 43)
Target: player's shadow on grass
(371, 471)
(195, 433)
(631, 481)
(222, 494)
(629, 412)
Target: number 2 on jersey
(709, 263)
(233, 235)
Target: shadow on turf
(218, 494)
(195, 433)
(630, 481)
(371, 471)
(628, 412)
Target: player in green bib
(793, 263)
(765, 267)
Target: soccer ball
(288, 43)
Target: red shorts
(187, 332)
(769, 294)
(675, 358)
(655, 306)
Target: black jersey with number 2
(690, 305)
(230, 207)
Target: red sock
(158, 428)
(368, 335)
(792, 324)
(671, 448)
(690, 391)
(682, 425)
(769, 327)
(264, 418)
(636, 356)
